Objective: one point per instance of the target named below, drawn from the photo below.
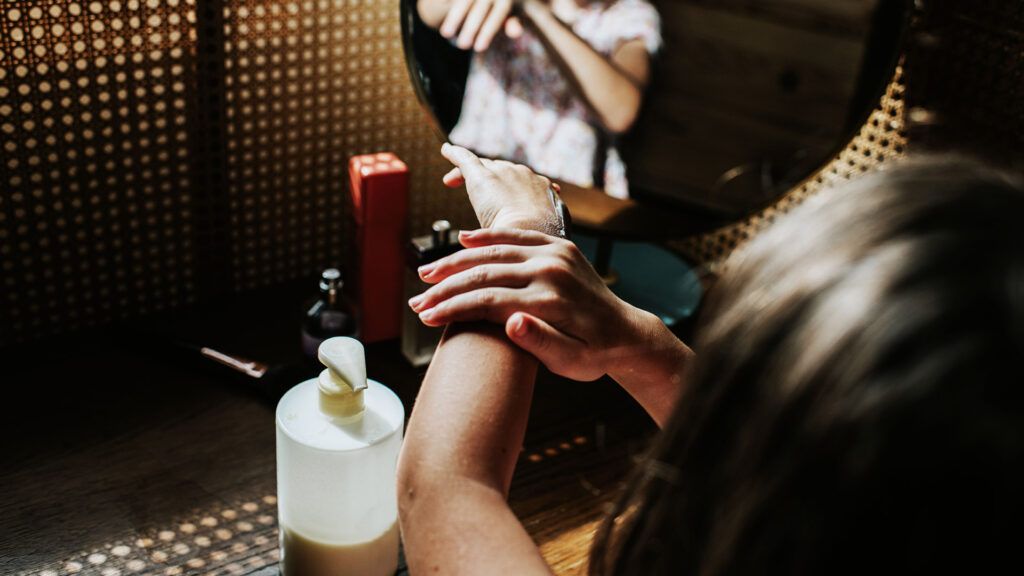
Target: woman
(856, 405)
(555, 93)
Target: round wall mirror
(739, 100)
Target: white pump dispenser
(342, 383)
(338, 438)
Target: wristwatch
(564, 219)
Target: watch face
(563, 213)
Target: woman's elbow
(619, 119)
(618, 126)
(417, 480)
(406, 484)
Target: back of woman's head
(857, 404)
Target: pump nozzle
(342, 383)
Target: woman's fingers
(491, 26)
(467, 162)
(513, 27)
(475, 19)
(453, 179)
(453, 20)
(466, 259)
(515, 236)
(487, 304)
(555, 349)
(483, 276)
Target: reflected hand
(477, 22)
(503, 194)
(550, 299)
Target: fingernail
(425, 270)
(415, 301)
(445, 147)
(427, 315)
(519, 326)
(467, 233)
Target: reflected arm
(612, 86)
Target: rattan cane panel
(310, 84)
(94, 215)
(132, 168)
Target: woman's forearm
(461, 447)
(614, 95)
(471, 411)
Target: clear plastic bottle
(338, 438)
(419, 340)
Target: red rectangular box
(380, 198)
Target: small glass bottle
(419, 340)
(328, 315)
(338, 438)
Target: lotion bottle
(338, 438)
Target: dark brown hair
(856, 405)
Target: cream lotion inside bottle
(338, 438)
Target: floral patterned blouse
(519, 106)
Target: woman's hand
(541, 288)
(503, 194)
(475, 23)
(549, 298)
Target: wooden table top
(594, 211)
(123, 461)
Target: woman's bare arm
(460, 450)
(467, 427)
(612, 86)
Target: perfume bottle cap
(343, 382)
(330, 279)
(440, 232)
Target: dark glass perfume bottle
(328, 315)
(418, 340)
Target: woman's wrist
(547, 223)
(534, 9)
(654, 372)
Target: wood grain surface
(747, 99)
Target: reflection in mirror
(712, 106)
(552, 83)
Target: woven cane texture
(95, 214)
(156, 152)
